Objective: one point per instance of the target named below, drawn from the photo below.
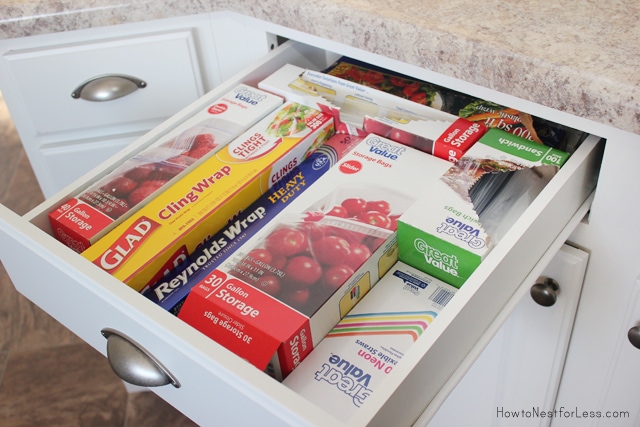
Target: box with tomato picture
(85, 218)
(362, 109)
(164, 232)
(170, 291)
(279, 294)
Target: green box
(442, 235)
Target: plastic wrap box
(170, 291)
(84, 219)
(147, 245)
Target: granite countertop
(578, 56)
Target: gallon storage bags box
(166, 230)
(170, 291)
(451, 229)
(85, 218)
(352, 362)
(360, 110)
(279, 294)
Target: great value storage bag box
(85, 218)
(355, 358)
(141, 249)
(170, 291)
(279, 294)
(360, 110)
(465, 213)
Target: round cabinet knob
(134, 364)
(107, 87)
(544, 292)
(634, 336)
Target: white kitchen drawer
(219, 388)
(46, 78)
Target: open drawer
(215, 387)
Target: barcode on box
(441, 296)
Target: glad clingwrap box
(360, 110)
(170, 291)
(85, 218)
(355, 358)
(148, 244)
(466, 212)
(279, 294)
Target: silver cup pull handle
(133, 364)
(107, 87)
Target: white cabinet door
(601, 386)
(516, 377)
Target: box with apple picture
(278, 295)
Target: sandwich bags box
(466, 212)
(279, 294)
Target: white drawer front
(47, 77)
(218, 388)
(71, 161)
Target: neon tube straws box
(447, 234)
(84, 219)
(286, 287)
(170, 227)
(170, 291)
(354, 359)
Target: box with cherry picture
(284, 289)
(85, 218)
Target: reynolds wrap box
(147, 245)
(170, 291)
(464, 214)
(360, 110)
(355, 358)
(84, 219)
(279, 294)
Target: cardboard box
(443, 139)
(147, 245)
(286, 287)
(355, 358)
(448, 233)
(459, 104)
(170, 291)
(84, 219)
(349, 102)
